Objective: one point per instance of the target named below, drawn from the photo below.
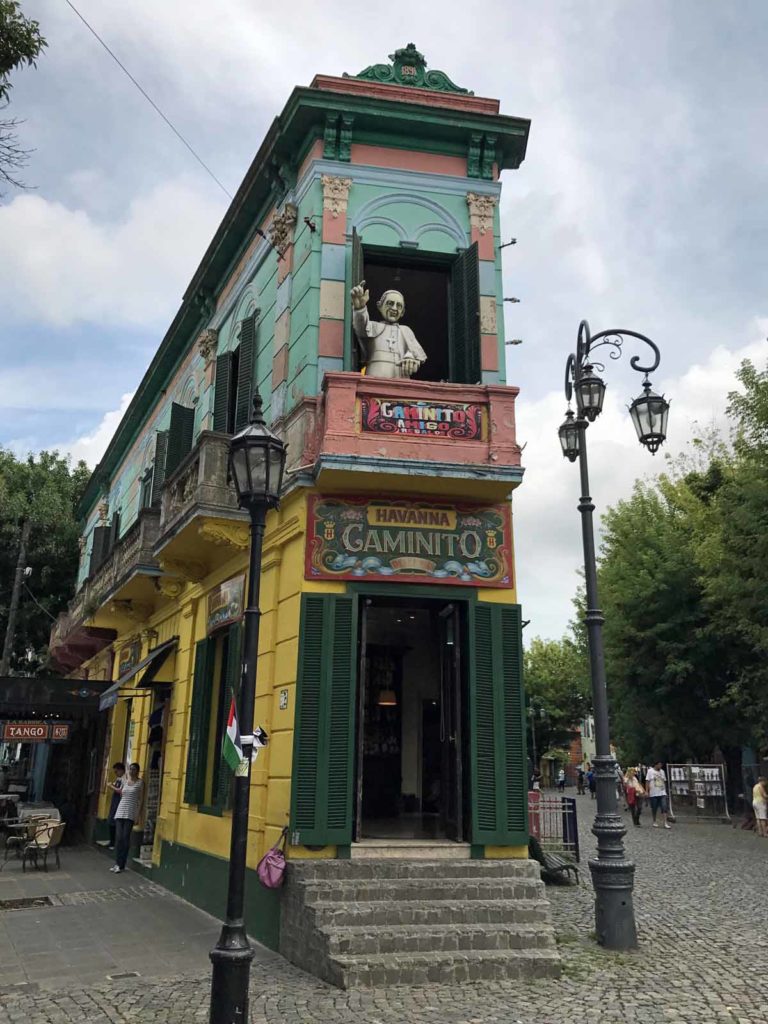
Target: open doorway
(410, 741)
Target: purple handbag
(271, 869)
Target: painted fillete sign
(465, 421)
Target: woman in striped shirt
(127, 813)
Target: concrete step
(362, 940)
(447, 968)
(331, 915)
(424, 889)
(318, 870)
(409, 849)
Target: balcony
(201, 522)
(366, 426)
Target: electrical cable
(149, 99)
(51, 617)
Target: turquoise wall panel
(332, 267)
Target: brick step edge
(360, 940)
(354, 870)
(416, 912)
(444, 968)
(402, 889)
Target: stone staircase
(364, 923)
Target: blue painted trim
(491, 377)
(363, 174)
(332, 262)
(488, 278)
(283, 296)
(327, 364)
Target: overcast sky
(641, 204)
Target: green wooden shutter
(99, 548)
(179, 436)
(245, 369)
(200, 713)
(145, 494)
(499, 792)
(222, 391)
(158, 470)
(223, 781)
(465, 318)
(322, 790)
(357, 271)
(114, 530)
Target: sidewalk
(92, 925)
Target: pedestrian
(561, 780)
(580, 775)
(536, 780)
(591, 784)
(126, 815)
(760, 805)
(634, 793)
(656, 788)
(116, 785)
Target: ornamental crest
(409, 67)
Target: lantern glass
(569, 433)
(257, 461)
(649, 413)
(590, 392)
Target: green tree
(38, 497)
(557, 691)
(20, 45)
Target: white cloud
(61, 266)
(91, 447)
(547, 523)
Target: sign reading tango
(421, 541)
(35, 732)
(466, 421)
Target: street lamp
(612, 872)
(256, 462)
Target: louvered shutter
(158, 471)
(145, 494)
(99, 548)
(247, 358)
(223, 782)
(499, 794)
(179, 436)
(199, 717)
(358, 271)
(114, 530)
(321, 796)
(465, 318)
(222, 391)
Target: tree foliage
(20, 45)
(44, 489)
(684, 586)
(557, 690)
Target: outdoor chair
(20, 832)
(47, 837)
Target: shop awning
(151, 663)
(30, 697)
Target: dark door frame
(455, 595)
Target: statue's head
(391, 305)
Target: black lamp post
(256, 461)
(612, 872)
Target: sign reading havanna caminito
(421, 541)
(465, 421)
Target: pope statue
(389, 348)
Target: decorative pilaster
(481, 216)
(207, 343)
(280, 231)
(335, 201)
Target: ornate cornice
(136, 611)
(335, 194)
(149, 635)
(237, 535)
(207, 343)
(410, 68)
(103, 512)
(280, 231)
(481, 211)
(169, 586)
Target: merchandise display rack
(697, 792)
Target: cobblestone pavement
(701, 907)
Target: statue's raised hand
(360, 296)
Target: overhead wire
(149, 99)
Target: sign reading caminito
(423, 541)
(467, 422)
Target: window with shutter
(223, 388)
(99, 548)
(114, 530)
(464, 356)
(200, 712)
(179, 436)
(321, 795)
(145, 489)
(358, 275)
(499, 792)
(245, 371)
(158, 470)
